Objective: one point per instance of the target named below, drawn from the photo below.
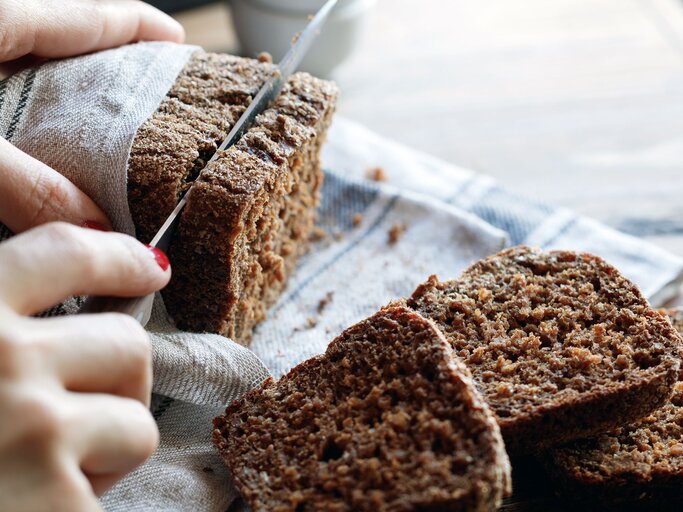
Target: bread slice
(251, 212)
(561, 345)
(387, 419)
(639, 466)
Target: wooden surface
(577, 102)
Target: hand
(74, 391)
(31, 192)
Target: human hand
(31, 192)
(74, 391)
(63, 28)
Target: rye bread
(634, 467)
(387, 419)
(561, 345)
(250, 213)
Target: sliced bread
(250, 213)
(561, 345)
(639, 466)
(386, 420)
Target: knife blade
(140, 307)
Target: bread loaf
(251, 211)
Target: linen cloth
(80, 116)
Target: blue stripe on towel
(341, 200)
(160, 405)
(21, 105)
(514, 214)
(3, 88)
(651, 227)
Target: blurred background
(577, 102)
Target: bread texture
(387, 419)
(634, 467)
(561, 345)
(251, 210)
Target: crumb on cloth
(325, 301)
(265, 58)
(318, 234)
(357, 219)
(377, 174)
(396, 232)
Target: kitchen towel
(88, 109)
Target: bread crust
(251, 211)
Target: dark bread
(386, 420)
(561, 345)
(634, 467)
(251, 211)
(170, 148)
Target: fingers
(116, 348)
(102, 483)
(59, 28)
(110, 435)
(30, 481)
(48, 264)
(32, 194)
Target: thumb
(33, 194)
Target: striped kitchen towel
(380, 241)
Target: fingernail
(160, 257)
(91, 224)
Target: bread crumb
(318, 234)
(311, 323)
(324, 302)
(357, 219)
(377, 174)
(265, 58)
(396, 232)
(296, 38)
(676, 450)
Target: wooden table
(577, 102)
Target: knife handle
(140, 308)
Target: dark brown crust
(568, 420)
(604, 470)
(542, 417)
(257, 432)
(251, 211)
(206, 100)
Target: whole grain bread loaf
(387, 419)
(561, 345)
(250, 213)
(634, 467)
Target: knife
(140, 308)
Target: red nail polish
(160, 257)
(91, 224)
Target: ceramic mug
(270, 25)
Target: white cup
(270, 25)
